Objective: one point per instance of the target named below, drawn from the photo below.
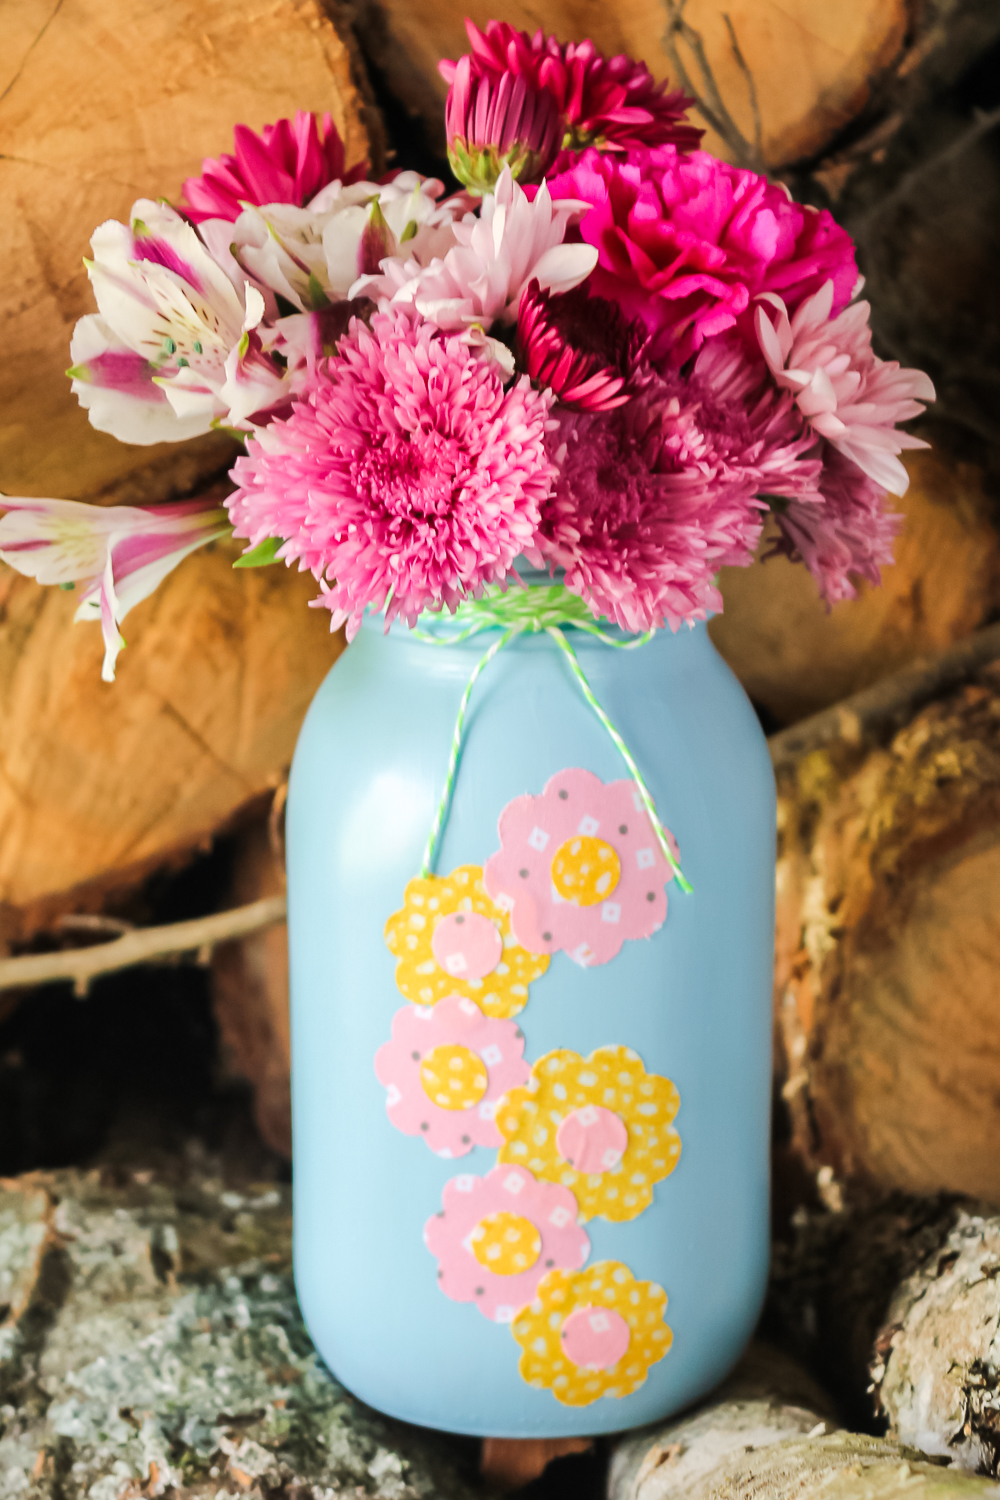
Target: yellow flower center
(506, 1244)
(585, 870)
(454, 1077)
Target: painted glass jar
(531, 1093)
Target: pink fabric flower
(847, 529)
(445, 1068)
(496, 1237)
(845, 393)
(579, 347)
(513, 241)
(118, 553)
(493, 121)
(579, 868)
(652, 499)
(288, 162)
(613, 102)
(685, 242)
(409, 478)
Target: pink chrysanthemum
(578, 346)
(686, 242)
(611, 102)
(287, 163)
(846, 394)
(652, 499)
(409, 478)
(850, 531)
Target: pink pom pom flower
(686, 242)
(407, 478)
(496, 1237)
(847, 395)
(288, 162)
(610, 102)
(653, 498)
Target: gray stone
(150, 1341)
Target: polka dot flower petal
(592, 1333)
(445, 1068)
(579, 868)
(450, 938)
(600, 1126)
(497, 1236)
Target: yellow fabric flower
(450, 939)
(592, 1333)
(599, 1126)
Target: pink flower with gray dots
(579, 868)
(444, 1070)
(495, 1237)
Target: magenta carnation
(611, 102)
(579, 347)
(653, 498)
(850, 531)
(289, 162)
(408, 478)
(686, 242)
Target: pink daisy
(653, 498)
(288, 162)
(493, 121)
(497, 1236)
(685, 242)
(579, 868)
(613, 102)
(445, 1068)
(844, 391)
(408, 478)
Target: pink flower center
(592, 1139)
(467, 945)
(595, 1338)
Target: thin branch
(877, 711)
(758, 131)
(708, 98)
(200, 935)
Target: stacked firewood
(884, 712)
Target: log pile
(886, 746)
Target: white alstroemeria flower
(118, 554)
(311, 256)
(152, 365)
(481, 278)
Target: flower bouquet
(543, 411)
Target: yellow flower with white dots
(592, 1333)
(600, 1126)
(450, 939)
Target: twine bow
(530, 611)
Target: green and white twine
(529, 611)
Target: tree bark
(765, 1434)
(103, 103)
(888, 941)
(102, 783)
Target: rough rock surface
(150, 1342)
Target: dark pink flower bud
(377, 242)
(494, 121)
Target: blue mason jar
(379, 1280)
